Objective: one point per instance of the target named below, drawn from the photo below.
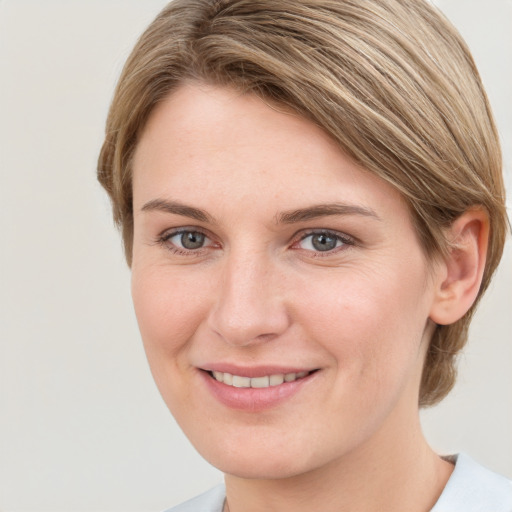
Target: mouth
(257, 389)
(264, 381)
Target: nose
(250, 306)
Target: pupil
(323, 242)
(192, 240)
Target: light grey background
(82, 427)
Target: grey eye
(321, 242)
(191, 240)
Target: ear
(460, 273)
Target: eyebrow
(323, 210)
(176, 208)
(287, 217)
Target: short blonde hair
(391, 81)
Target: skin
(258, 292)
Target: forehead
(205, 140)
(201, 121)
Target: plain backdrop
(82, 427)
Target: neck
(394, 470)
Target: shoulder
(210, 501)
(474, 488)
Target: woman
(311, 202)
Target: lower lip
(254, 399)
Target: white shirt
(471, 488)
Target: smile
(265, 381)
(257, 389)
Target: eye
(185, 240)
(190, 239)
(323, 241)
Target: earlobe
(462, 269)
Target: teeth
(257, 382)
(275, 380)
(260, 382)
(241, 382)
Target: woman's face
(264, 257)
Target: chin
(263, 458)
(258, 468)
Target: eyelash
(163, 240)
(346, 241)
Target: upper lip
(254, 371)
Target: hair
(391, 81)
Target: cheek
(168, 309)
(371, 323)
